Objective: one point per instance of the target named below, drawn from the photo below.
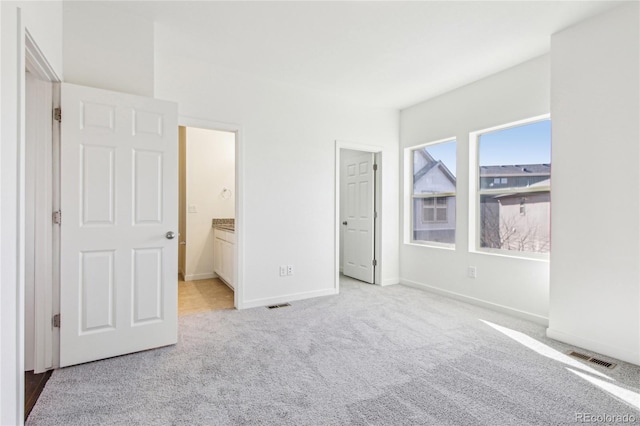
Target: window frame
(413, 196)
(475, 193)
(435, 208)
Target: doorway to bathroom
(207, 200)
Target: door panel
(97, 304)
(147, 285)
(119, 199)
(98, 185)
(147, 176)
(359, 230)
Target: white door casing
(359, 217)
(119, 170)
(38, 224)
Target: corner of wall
(595, 278)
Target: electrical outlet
(283, 271)
(471, 271)
(289, 269)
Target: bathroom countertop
(227, 224)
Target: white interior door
(119, 186)
(358, 223)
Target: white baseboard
(591, 345)
(479, 302)
(195, 277)
(390, 281)
(287, 298)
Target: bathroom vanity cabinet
(224, 255)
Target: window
(514, 189)
(434, 192)
(434, 209)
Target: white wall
(210, 169)
(595, 276)
(44, 21)
(108, 48)
(516, 285)
(288, 158)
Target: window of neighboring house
(434, 193)
(434, 209)
(515, 216)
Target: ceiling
(386, 53)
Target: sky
(527, 144)
(446, 152)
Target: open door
(119, 186)
(359, 221)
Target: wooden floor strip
(33, 386)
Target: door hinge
(57, 217)
(57, 114)
(56, 320)
(374, 262)
(375, 215)
(375, 167)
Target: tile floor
(203, 295)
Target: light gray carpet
(372, 355)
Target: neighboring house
(516, 220)
(518, 176)
(434, 218)
(513, 220)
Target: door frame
(12, 318)
(46, 289)
(377, 151)
(47, 298)
(186, 121)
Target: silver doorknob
(344, 223)
(170, 235)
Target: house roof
(431, 163)
(516, 170)
(541, 184)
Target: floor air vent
(282, 305)
(579, 355)
(603, 363)
(591, 359)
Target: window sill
(442, 246)
(536, 257)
